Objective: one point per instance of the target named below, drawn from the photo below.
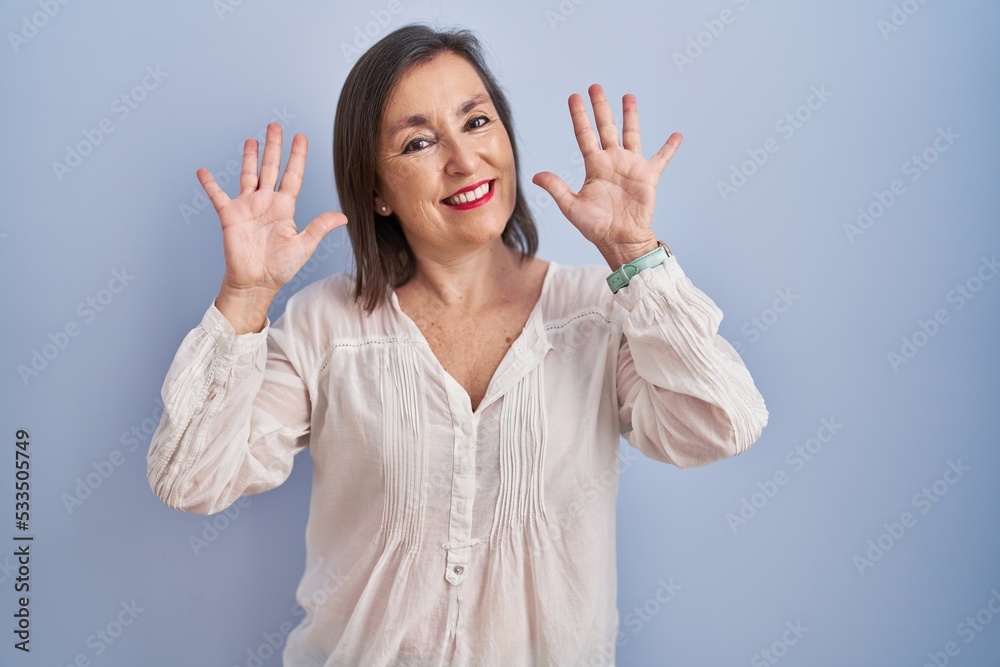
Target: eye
(485, 122)
(412, 146)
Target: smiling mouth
(471, 198)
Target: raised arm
(263, 247)
(684, 394)
(236, 402)
(614, 207)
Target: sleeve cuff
(658, 280)
(215, 324)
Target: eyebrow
(418, 120)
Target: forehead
(432, 87)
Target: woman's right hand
(263, 247)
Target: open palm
(614, 207)
(263, 247)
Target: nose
(461, 155)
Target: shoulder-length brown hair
(383, 258)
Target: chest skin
(470, 346)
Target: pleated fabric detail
(522, 457)
(403, 455)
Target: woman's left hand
(614, 207)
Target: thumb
(319, 227)
(216, 194)
(556, 187)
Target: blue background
(895, 77)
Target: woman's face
(441, 134)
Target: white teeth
(466, 197)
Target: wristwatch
(621, 276)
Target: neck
(467, 282)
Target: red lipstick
(472, 204)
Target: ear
(381, 207)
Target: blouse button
(458, 569)
(467, 428)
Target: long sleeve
(236, 411)
(684, 395)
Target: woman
(461, 400)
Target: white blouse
(438, 534)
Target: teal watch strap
(621, 277)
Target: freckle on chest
(471, 351)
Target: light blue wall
(853, 295)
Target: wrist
(623, 253)
(248, 294)
(245, 308)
